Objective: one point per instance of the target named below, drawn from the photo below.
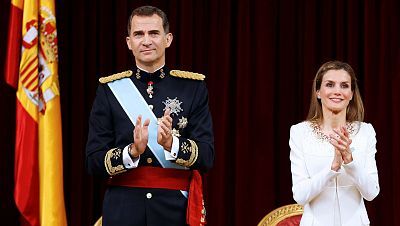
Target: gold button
(149, 160)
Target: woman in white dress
(333, 152)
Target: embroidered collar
(352, 128)
(145, 76)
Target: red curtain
(259, 58)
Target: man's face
(148, 41)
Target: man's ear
(169, 38)
(128, 43)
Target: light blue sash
(134, 105)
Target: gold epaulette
(114, 77)
(187, 74)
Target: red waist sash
(153, 177)
(167, 178)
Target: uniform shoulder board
(187, 74)
(114, 77)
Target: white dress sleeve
(306, 187)
(366, 176)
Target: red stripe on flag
(25, 68)
(26, 173)
(33, 82)
(13, 47)
(34, 88)
(31, 76)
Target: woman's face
(335, 91)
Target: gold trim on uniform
(203, 214)
(124, 74)
(114, 153)
(194, 153)
(181, 162)
(187, 74)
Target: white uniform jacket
(333, 198)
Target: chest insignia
(182, 122)
(174, 105)
(175, 132)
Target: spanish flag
(32, 69)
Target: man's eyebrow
(154, 31)
(142, 32)
(137, 32)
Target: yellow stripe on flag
(52, 211)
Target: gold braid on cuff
(110, 159)
(194, 153)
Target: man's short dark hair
(149, 11)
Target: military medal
(182, 122)
(150, 89)
(175, 132)
(174, 105)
